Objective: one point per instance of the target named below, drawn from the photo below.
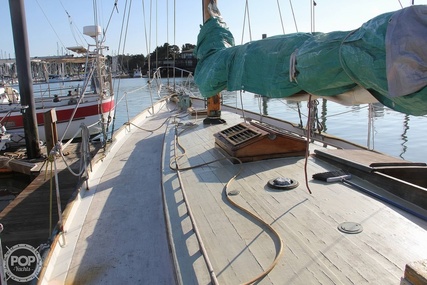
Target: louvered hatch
(239, 134)
(249, 143)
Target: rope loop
(292, 67)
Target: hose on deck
(176, 167)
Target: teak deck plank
(315, 251)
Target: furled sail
(386, 56)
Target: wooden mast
(214, 102)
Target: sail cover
(385, 56)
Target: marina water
(393, 133)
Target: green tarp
(323, 64)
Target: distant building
(186, 60)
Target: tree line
(128, 63)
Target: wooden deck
(315, 252)
(118, 233)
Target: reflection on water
(264, 106)
(324, 114)
(350, 122)
(378, 109)
(403, 136)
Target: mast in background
(214, 102)
(20, 39)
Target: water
(394, 133)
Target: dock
(32, 217)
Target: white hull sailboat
(90, 104)
(137, 73)
(93, 111)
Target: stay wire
(148, 47)
(109, 20)
(126, 17)
(293, 15)
(50, 24)
(249, 22)
(71, 21)
(281, 18)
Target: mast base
(213, 121)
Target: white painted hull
(88, 113)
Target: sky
(54, 25)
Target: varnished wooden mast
(214, 102)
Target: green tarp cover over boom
(386, 56)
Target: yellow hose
(279, 252)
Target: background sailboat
(89, 102)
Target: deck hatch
(248, 142)
(239, 134)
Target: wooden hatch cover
(250, 142)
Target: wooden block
(416, 272)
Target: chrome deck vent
(283, 183)
(350, 228)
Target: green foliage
(166, 51)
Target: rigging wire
(167, 32)
(71, 21)
(101, 77)
(249, 22)
(147, 47)
(174, 40)
(50, 24)
(147, 44)
(293, 15)
(89, 77)
(109, 20)
(244, 25)
(157, 42)
(126, 17)
(280, 14)
(149, 31)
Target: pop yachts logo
(22, 262)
